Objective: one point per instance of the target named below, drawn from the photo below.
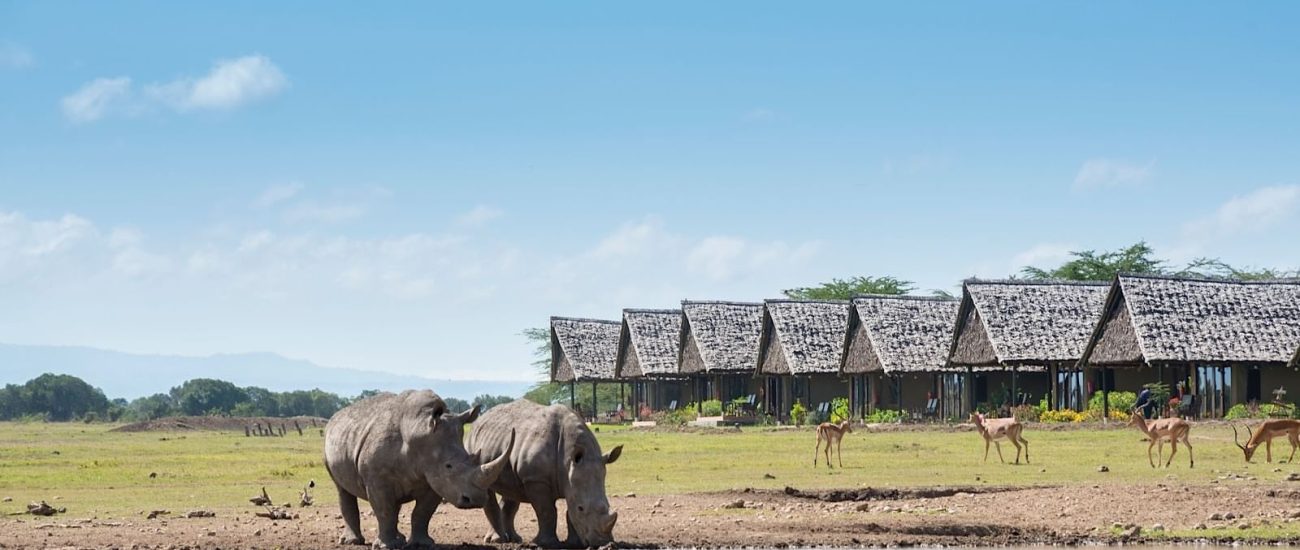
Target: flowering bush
(1063, 415)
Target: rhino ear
(438, 410)
(614, 454)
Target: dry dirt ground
(772, 519)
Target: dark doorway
(1252, 385)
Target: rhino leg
(493, 514)
(352, 517)
(573, 540)
(425, 506)
(508, 510)
(386, 505)
(544, 506)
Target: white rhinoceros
(392, 449)
(556, 457)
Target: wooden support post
(1015, 393)
(1105, 396)
(573, 400)
(593, 400)
(968, 390)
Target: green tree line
(61, 398)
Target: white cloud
(231, 83)
(96, 98)
(479, 215)
(13, 56)
(635, 239)
(277, 193)
(1255, 211)
(1106, 172)
(49, 237)
(1045, 255)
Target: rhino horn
(488, 473)
(608, 525)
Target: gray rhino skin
(392, 449)
(557, 457)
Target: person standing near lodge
(1144, 403)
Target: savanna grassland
(668, 481)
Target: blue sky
(406, 189)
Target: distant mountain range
(131, 375)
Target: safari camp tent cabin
(583, 350)
(895, 355)
(1033, 331)
(1227, 341)
(647, 358)
(799, 353)
(719, 348)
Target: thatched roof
(648, 343)
(802, 336)
(1176, 320)
(583, 350)
(898, 334)
(719, 337)
(1025, 322)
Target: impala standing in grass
(994, 429)
(832, 434)
(1158, 431)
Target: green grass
(106, 474)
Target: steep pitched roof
(1149, 319)
(583, 350)
(1025, 322)
(899, 334)
(648, 343)
(719, 337)
(802, 336)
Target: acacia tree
(1139, 258)
(844, 289)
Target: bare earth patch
(983, 516)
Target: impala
(993, 429)
(1158, 431)
(1265, 434)
(832, 434)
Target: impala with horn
(1265, 434)
(1161, 430)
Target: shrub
(798, 414)
(678, 417)
(1119, 401)
(712, 407)
(884, 416)
(839, 409)
(1260, 411)
(1063, 415)
(1028, 413)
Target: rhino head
(588, 507)
(439, 449)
